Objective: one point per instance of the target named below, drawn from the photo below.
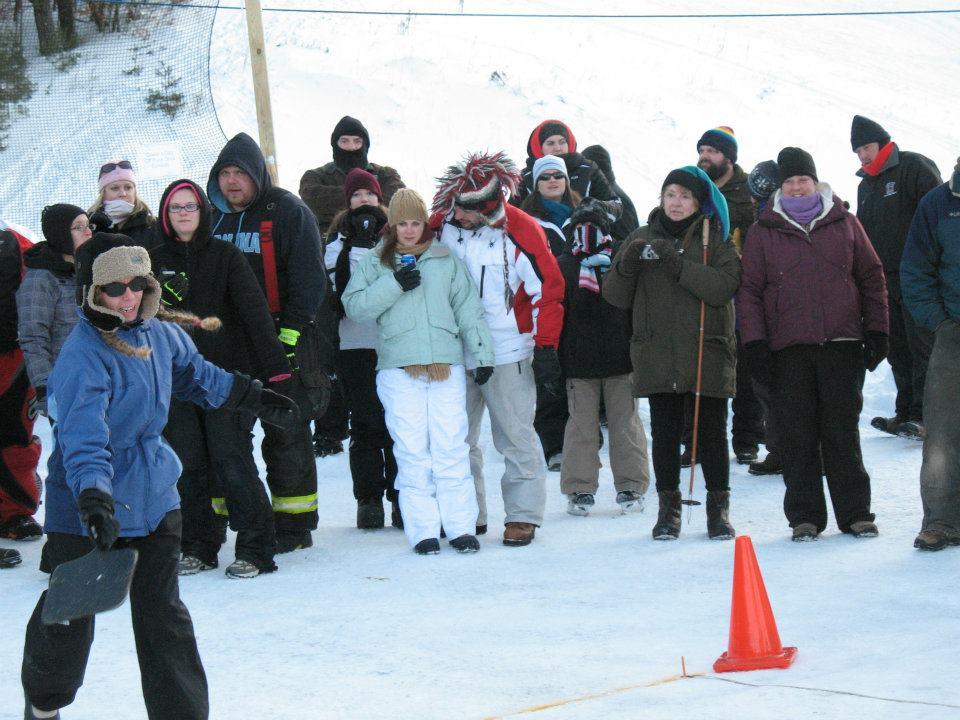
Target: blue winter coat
(110, 410)
(930, 267)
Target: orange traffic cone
(754, 640)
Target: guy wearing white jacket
(521, 289)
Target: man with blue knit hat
(717, 149)
(894, 181)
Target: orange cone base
(782, 660)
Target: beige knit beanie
(406, 204)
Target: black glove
(96, 512)
(250, 396)
(546, 370)
(408, 277)
(366, 222)
(591, 211)
(40, 402)
(666, 251)
(101, 221)
(482, 374)
(875, 348)
(631, 257)
(174, 289)
(756, 362)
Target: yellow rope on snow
(592, 696)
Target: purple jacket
(804, 287)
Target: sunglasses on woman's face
(110, 167)
(116, 289)
(552, 176)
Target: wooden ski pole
(699, 385)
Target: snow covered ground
(360, 627)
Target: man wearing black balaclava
(322, 187)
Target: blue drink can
(408, 260)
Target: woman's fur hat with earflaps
(107, 258)
(482, 182)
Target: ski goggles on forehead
(111, 166)
(116, 289)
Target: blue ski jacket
(110, 410)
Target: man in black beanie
(717, 149)
(322, 188)
(894, 181)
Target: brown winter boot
(668, 518)
(718, 515)
(517, 534)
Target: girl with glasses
(205, 276)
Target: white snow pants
(428, 424)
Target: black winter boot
(668, 519)
(718, 515)
(370, 514)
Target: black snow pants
(291, 469)
(817, 395)
(372, 464)
(171, 674)
(666, 428)
(220, 477)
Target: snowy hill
(590, 618)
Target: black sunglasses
(116, 289)
(551, 176)
(110, 167)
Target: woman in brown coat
(660, 275)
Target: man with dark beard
(322, 190)
(717, 149)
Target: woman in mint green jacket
(427, 309)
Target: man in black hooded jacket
(280, 238)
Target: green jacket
(429, 324)
(666, 314)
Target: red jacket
(808, 288)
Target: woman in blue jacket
(113, 479)
(427, 308)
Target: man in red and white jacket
(521, 289)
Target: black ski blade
(690, 501)
(92, 584)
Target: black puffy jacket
(221, 283)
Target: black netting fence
(86, 81)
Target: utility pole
(261, 86)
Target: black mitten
(875, 348)
(408, 277)
(482, 374)
(546, 370)
(366, 222)
(666, 251)
(174, 289)
(250, 396)
(96, 512)
(592, 211)
(101, 221)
